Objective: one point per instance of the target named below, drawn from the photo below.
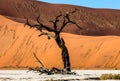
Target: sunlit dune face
(18, 43)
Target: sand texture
(19, 42)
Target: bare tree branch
(31, 26)
(67, 20)
(47, 28)
(47, 34)
(56, 21)
(39, 26)
(38, 18)
(38, 60)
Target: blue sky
(114, 4)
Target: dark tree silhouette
(65, 19)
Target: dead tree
(65, 19)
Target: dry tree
(64, 19)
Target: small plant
(110, 76)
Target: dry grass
(110, 76)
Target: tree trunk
(65, 54)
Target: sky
(112, 4)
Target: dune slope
(18, 43)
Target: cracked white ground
(24, 75)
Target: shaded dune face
(95, 22)
(18, 43)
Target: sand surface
(19, 42)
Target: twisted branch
(38, 60)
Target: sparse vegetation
(110, 76)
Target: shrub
(110, 76)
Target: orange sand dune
(18, 43)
